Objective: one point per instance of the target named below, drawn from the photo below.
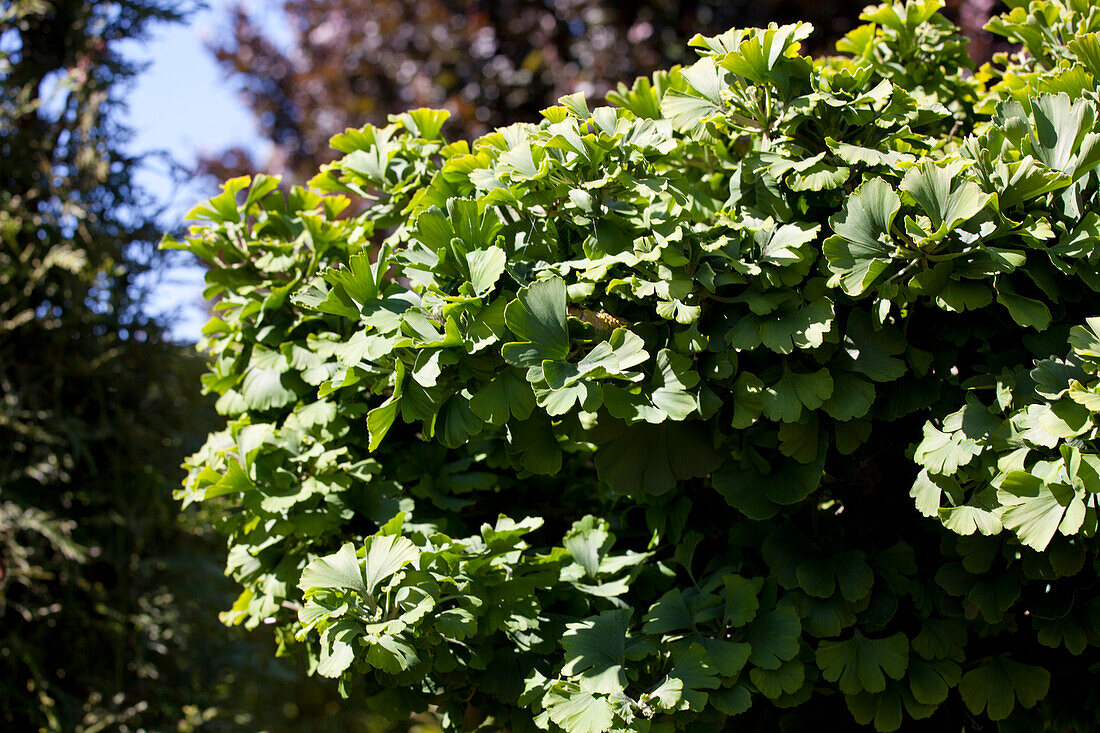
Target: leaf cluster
(615, 421)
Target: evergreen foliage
(764, 396)
(108, 596)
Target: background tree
(96, 412)
(489, 62)
(88, 383)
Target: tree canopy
(762, 396)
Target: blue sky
(182, 105)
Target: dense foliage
(108, 597)
(767, 394)
(307, 69)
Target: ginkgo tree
(768, 392)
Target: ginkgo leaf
(652, 458)
(999, 683)
(873, 351)
(386, 554)
(773, 637)
(486, 266)
(342, 569)
(1035, 509)
(595, 650)
(774, 683)
(537, 318)
(943, 453)
(948, 199)
(580, 712)
(860, 664)
(1063, 137)
(784, 400)
(587, 542)
(337, 648)
(1027, 312)
(263, 386)
(759, 57)
(862, 246)
(1085, 339)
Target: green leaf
(748, 400)
(860, 664)
(947, 199)
(1085, 340)
(595, 651)
(533, 446)
(653, 458)
(380, 419)
(761, 56)
(507, 396)
(1027, 312)
(486, 267)
(1052, 377)
(821, 176)
(358, 280)
(961, 295)
(852, 397)
(783, 401)
(758, 495)
(669, 613)
(581, 711)
(732, 700)
(996, 686)
(319, 297)
(537, 318)
(338, 570)
(1035, 509)
(666, 695)
(742, 600)
(862, 246)
(588, 541)
(885, 709)
(941, 638)
(426, 122)
(612, 358)
(943, 453)
(687, 110)
(262, 386)
(873, 351)
(928, 489)
(774, 637)
(391, 655)
(672, 379)
(386, 555)
(456, 423)
(1063, 137)
(729, 657)
(932, 682)
(695, 669)
(781, 245)
(774, 683)
(456, 623)
(337, 650)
